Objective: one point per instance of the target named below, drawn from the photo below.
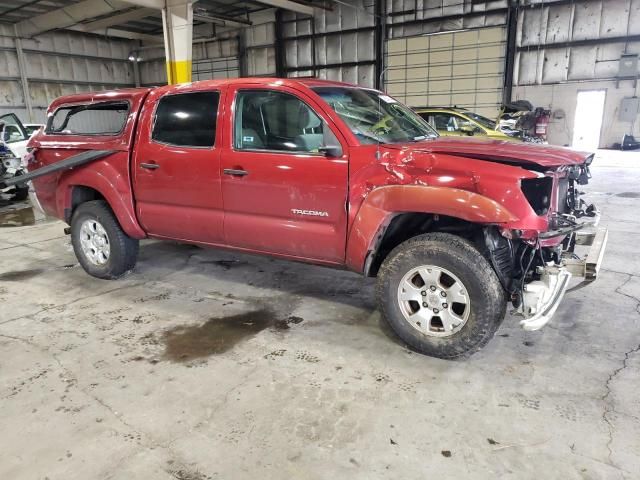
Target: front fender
(383, 203)
(109, 177)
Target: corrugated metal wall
(568, 47)
(60, 63)
(259, 40)
(335, 44)
(572, 41)
(561, 46)
(416, 17)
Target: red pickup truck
(326, 173)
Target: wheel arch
(100, 182)
(392, 214)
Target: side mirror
(331, 151)
(468, 129)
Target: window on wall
(95, 119)
(268, 120)
(187, 119)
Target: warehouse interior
(150, 376)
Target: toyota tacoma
(454, 229)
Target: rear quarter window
(96, 119)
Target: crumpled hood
(501, 151)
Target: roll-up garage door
(465, 69)
(213, 69)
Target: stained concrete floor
(205, 364)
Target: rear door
(176, 167)
(281, 193)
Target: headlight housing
(538, 193)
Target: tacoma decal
(311, 213)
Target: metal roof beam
(119, 33)
(290, 5)
(221, 20)
(119, 19)
(157, 4)
(68, 16)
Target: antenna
(380, 110)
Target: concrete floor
(205, 364)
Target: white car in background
(32, 128)
(14, 135)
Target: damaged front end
(536, 267)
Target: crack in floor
(148, 444)
(609, 407)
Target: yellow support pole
(177, 23)
(178, 72)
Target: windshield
(484, 121)
(374, 117)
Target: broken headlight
(538, 193)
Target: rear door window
(187, 119)
(96, 119)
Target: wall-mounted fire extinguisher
(542, 122)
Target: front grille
(538, 193)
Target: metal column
(177, 23)
(380, 37)
(510, 59)
(279, 46)
(23, 76)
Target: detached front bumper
(588, 267)
(542, 297)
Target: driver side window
(269, 120)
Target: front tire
(440, 295)
(100, 244)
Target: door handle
(235, 172)
(150, 166)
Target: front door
(281, 193)
(176, 167)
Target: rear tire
(440, 295)
(100, 244)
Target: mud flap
(67, 163)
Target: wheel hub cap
(434, 301)
(94, 242)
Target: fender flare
(384, 203)
(108, 180)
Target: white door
(588, 121)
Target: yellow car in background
(461, 122)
